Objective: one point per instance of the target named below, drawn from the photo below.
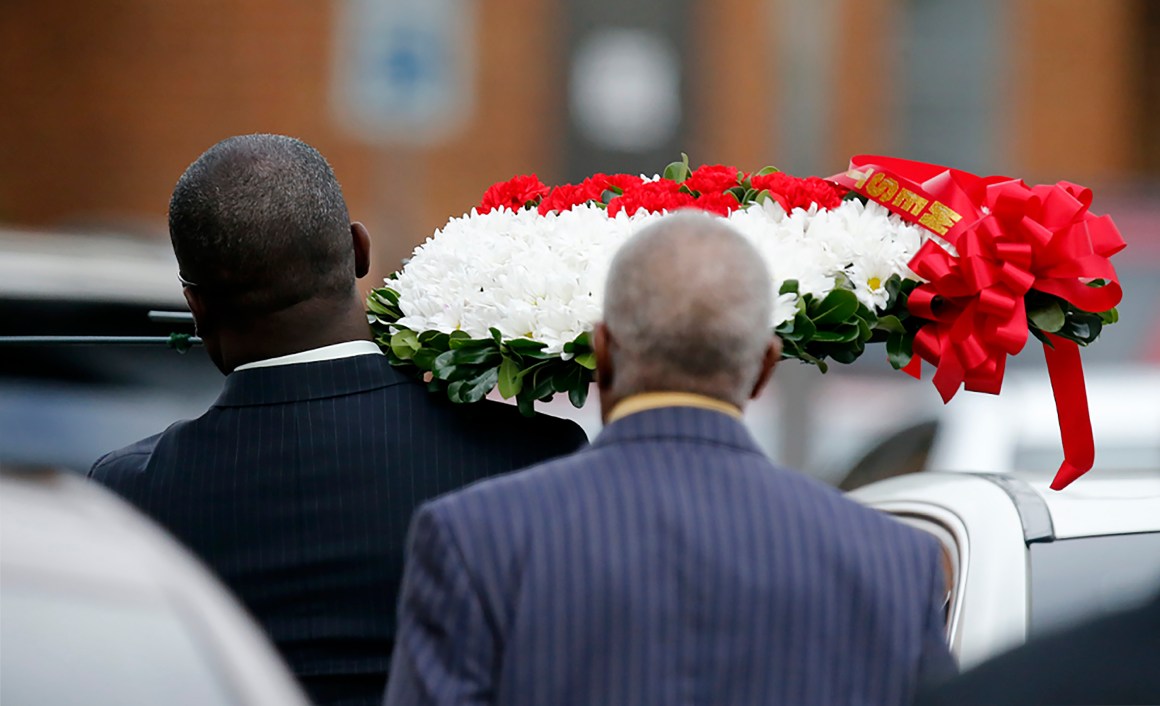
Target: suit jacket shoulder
(130, 459)
(874, 534)
(490, 417)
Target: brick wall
(1073, 89)
(107, 102)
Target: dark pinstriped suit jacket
(297, 486)
(668, 563)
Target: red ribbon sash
(1008, 238)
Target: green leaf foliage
(578, 396)
(473, 389)
(586, 360)
(841, 334)
(1049, 314)
(435, 339)
(1049, 317)
(458, 343)
(464, 363)
(835, 308)
(890, 324)
(510, 380)
(424, 358)
(404, 344)
(899, 349)
(678, 171)
(526, 348)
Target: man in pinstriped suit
(670, 562)
(296, 487)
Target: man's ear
(206, 328)
(772, 355)
(197, 308)
(602, 348)
(361, 240)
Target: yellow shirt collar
(655, 400)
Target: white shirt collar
(332, 352)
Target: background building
(107, 102)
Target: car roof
(59, 531)
(1101, 502)
(1114, 502)
(90, 266)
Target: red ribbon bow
(1009, 238)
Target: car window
(1074, 579)
(100, 650)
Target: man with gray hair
(670, 562)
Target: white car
(100, 607)
(1019, 428)
(1024, 559)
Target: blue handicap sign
(405, 68)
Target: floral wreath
(935, 263)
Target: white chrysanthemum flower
(788, 252)
(542, 277)
(527, 275)
(872, 244)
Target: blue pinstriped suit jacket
(297, 486)
(668, 563)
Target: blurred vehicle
(1022, 559)
(1019, 428)
(101, 607)
(66, 405)
(91, 267)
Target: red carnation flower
(713, 179)
(654, 196)
(565, 196)
(720, 203)
(515, 194)
(597, 184)
(794, 192)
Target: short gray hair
(688, 302)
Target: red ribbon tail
(1071, 405)
(914, 367)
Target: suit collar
(654, 400)
(679, 423)
(308, 381)
(334, 351)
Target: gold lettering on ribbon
(881, 188)
(939, 218)
(910, 202)
(859, 177)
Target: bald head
(688, 307)
(259, 221)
